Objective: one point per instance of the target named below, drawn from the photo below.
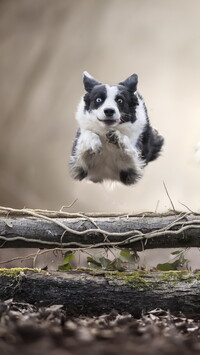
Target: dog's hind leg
(129, 176)
(77, 169)
(87, 145)
(130, 165)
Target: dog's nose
(109, 112)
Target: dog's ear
(131, 82)
(89, 82)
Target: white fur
(110, 102)
(88, 120)
(87, 74)
(106, 160)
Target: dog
(115, 139)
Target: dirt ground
(28, 330)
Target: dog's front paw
(94, 149)
(95, 145)
(113, 138)
(97, 148)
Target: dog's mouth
(108, 122)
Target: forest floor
(28, 330)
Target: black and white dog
(115, 139)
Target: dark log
(83, 293)
(139, 232)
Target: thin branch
(187, 207)
(157, 204)
(69, 206)
(169, 197)
(35, 257)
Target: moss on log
(92, 293)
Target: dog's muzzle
(109, 117)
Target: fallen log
(40, 229)
(89, 293)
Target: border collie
(115, 139)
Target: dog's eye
(98, 100)
(120, 100)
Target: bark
(139, 232)
(84, 293)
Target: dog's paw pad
(96, 146)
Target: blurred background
(45, 45)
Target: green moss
(177, 276)
(137, 279)
(133, 279)
(140, 278)
(90, 271)
(14, 272)
(197, 274)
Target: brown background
(44, 48)
(45, 45)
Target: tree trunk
(87, 293)
(32, 229)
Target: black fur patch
(91, 98)
(150, 144)
(130, 83)
(128, 107)
(128, 177)
(80, 174)
(78, 133)
(77, 172)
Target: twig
(35, 257)
(157, 204)
(187, 207)
(69, 206)
(38, 253)
(169, 198)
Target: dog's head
(110, 105)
